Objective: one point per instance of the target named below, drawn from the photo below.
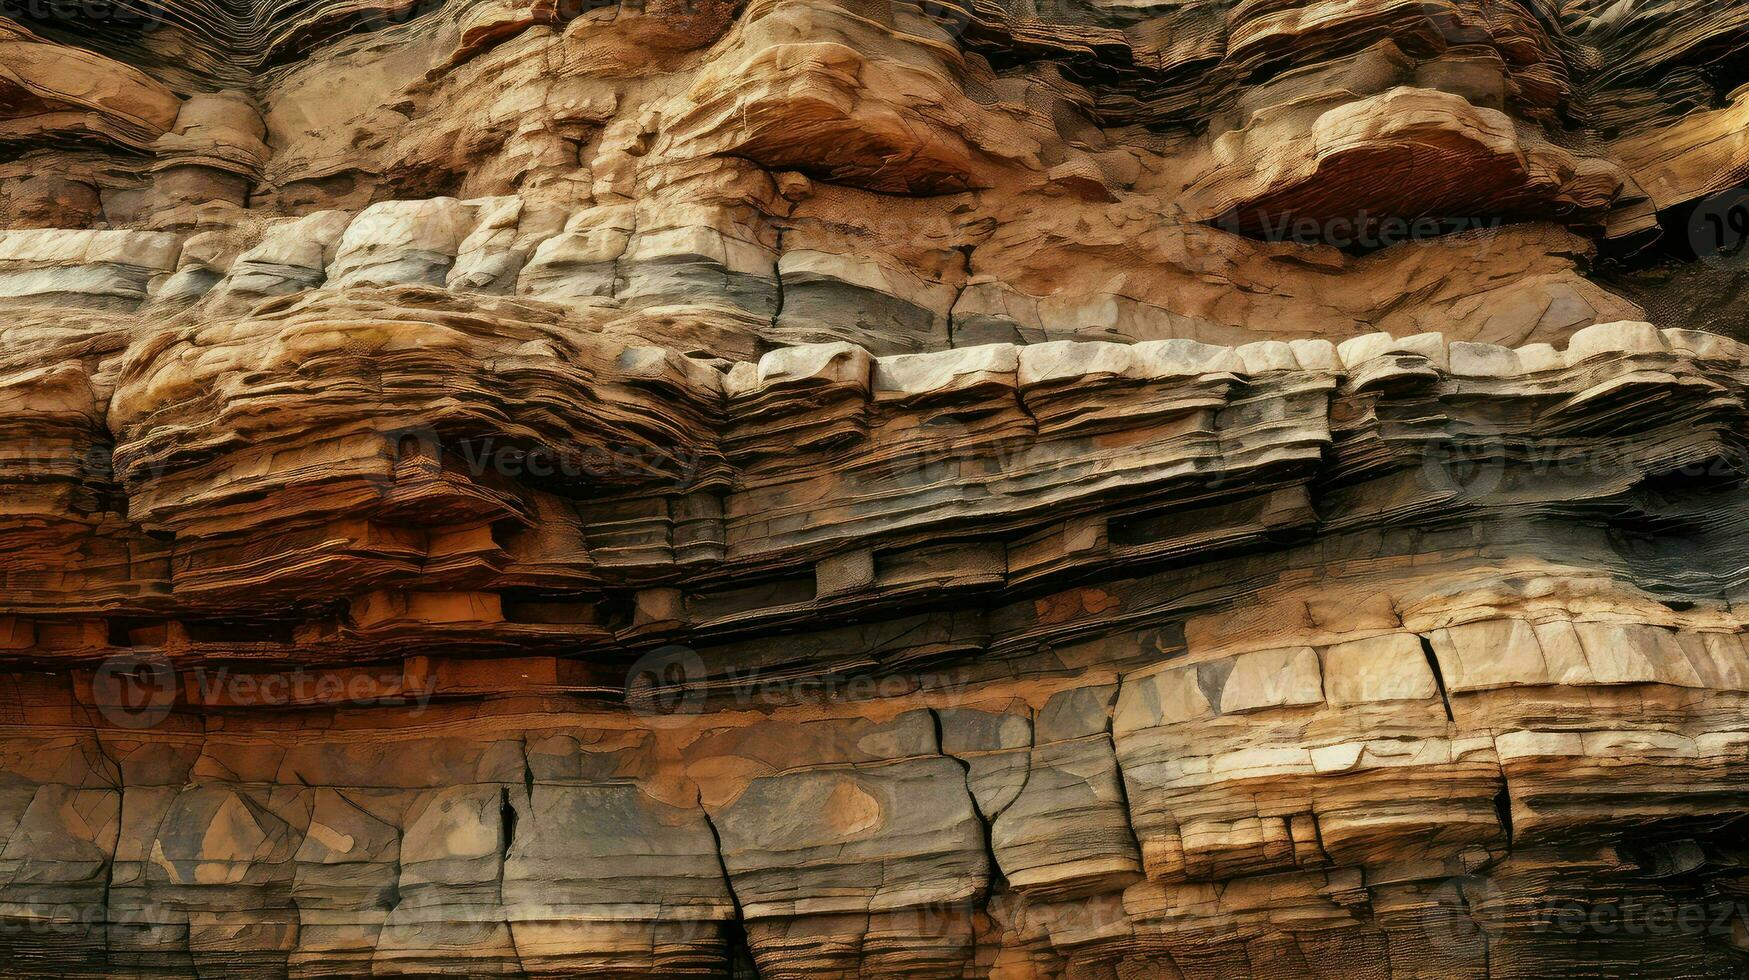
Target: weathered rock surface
(816, 489)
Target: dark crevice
(108, 914)
(274, 44)
(527, 774)
(777, 279)
(1123, 789)
(737, 948)
(1503, 810)
(739, 952)
(959, 293)
(998, 880)
(239, 631)
(1438, 675)
(131, 632)
(1710, 227)
(1318, 837)
(1696, 479)
(1692, 270)
(507, 814)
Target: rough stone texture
(805, 488)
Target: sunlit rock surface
(812, 489)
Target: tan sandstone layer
(804, 488)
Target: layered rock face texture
(1101, 489)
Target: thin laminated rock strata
(799, 489)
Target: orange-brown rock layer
(817, 489)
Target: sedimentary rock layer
(1358, 632)
(813, 489)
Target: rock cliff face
(870, 488)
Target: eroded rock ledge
(807, 489)
(1000, 661)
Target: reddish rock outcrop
(817, 489)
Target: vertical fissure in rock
(1438, 675)
(392, 896)
(739, 952)
(1123, 789)
(620, 279)
(777, 278)
(959, 293)
(105, 918)
(527, 774)
(998, 881)
(737, 948)
(507, 838)
(1503, 808)
(507, 815)
(307, 403)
